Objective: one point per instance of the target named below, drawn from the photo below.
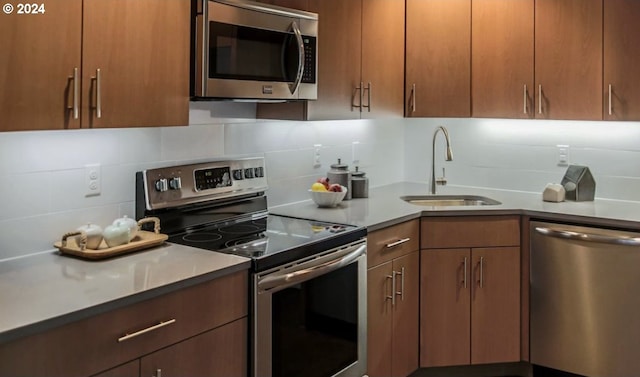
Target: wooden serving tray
(143, 240)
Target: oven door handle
(288, 278)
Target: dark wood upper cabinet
(568, 59)
(502, 58)
(39, 56)
(438, 58)
(360, 62)
(621, 60)
(143, 63)
(58, 69)
(383, 29)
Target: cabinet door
(39, 55)
(383, 58)
(339, 60)
(339, 49)
(379, 317)
(404, 346)
(221, 352)
(495, 308)
(445, 312)
(438, 58)
(568, 59)
(141, 49)
(502, 58)
(621, 60)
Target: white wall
(42, 173)
(522, 154)
(42, 192)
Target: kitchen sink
(449, 200)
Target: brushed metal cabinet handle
(481, 272)
(397, 243)
(401, 291)
(539, 99)
(393, 288)
(98, 78)
(361, 96)
(76, 93)
(413, 98)
(368, 97)
(610, 101)
(402, 285)
(525, 98)
(464, 277)
(357, 90)
(146, 330)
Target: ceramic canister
(359, 184)
(341, 175)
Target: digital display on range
(212, 178)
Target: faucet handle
(442, 181)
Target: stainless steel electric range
(308, 277)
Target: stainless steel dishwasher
(585, 300)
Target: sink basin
(449, 200)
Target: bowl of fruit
(326, 194)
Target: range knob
(162, 185)
(175, 183)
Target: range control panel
(174, 186)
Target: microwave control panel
(309, 74)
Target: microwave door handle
(296, 30)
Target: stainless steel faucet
(448, 157)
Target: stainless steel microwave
(246, 50)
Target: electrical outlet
(563, 155)
(92, 179)
(316, 155)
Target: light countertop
(47, 290)
(384, 207)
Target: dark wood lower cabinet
(195, 331)
(393, 322)
(220, 352)
(470, 302)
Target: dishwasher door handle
(588, 237)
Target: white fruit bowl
(328, 198)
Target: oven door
(310, 317)
(252, 54)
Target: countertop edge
(64, 319)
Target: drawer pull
(399, 242)
(148, 329)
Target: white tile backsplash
(523, 154)
(43, 172)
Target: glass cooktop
(270, 240)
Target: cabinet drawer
(475, 231)
(98, 343)
(386, 244)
